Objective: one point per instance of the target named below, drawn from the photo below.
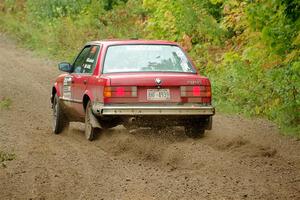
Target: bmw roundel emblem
(158, 81)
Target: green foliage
(62, 27)
(277, 30)
(249, 49)
(109, 4)
(258, 72)
(172, 20)
(44, 9)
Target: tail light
(195, 91)
(198, 93)
(107, 92)
(120, 91)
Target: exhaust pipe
(130, 123)
(131, 120)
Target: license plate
(158, 94)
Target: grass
(5, 103)
(4, 156)
(291, 131)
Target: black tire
(89, 130)
(194, 131)
(60, 121)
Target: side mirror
(65, 67)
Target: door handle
(84, 82)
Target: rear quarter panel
(58, 85)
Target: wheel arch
(85, 100)
(88, 96)
(56, 91)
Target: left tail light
(107, 92)
(120, 91)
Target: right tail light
(197, 93)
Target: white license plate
(158, 94)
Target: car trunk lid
(149, 79)
(154, 87)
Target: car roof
(130, 41)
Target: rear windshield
(146, 58)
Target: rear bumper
(134, 110)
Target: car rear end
(154, 85)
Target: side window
(91, 60)
(80, 60)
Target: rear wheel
(59, 119)
(194, 131)
(90, 131)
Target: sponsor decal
(87, 66)
(89, 60)
(67, 87)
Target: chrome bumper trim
(100, 109)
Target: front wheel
(59, 119)
(194, 131)
(90, 131)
